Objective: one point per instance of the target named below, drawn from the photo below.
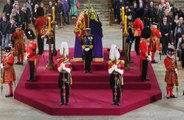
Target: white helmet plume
(64, 51)
(114, 53)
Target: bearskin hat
(146, 33)
(30, 34)
(139, 12)
(40, 11)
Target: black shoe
(113, 103)
(154, 62)
(10, 95)
(118, 104)
(67, 103)
(130, 61)
(172, 96)
(30, 80)
(61, 103)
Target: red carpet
(90, 93)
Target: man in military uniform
(31, 53)
(171, 73)
(9, 73)
(155, 42)
(145, 54)
(129, 41)
(19, 45)
(87, 42)
(40, 26)
(115, 69)
(64, 68)
(138, 27)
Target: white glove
(149, 58)
(1, 66)
(60, 67)
(176, 70)
(68, 70)
(87, 49)
(25, 58)
(111, 69)
(119, 70)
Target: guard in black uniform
(87, 42)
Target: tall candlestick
(53, 14)
(49, 24)
(123, 14)
(125, 25)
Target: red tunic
(170, 65)
(155, 39)
(19, 48)
(31, 50)
(64, 61)
(120, 64)
(144, 49)
(9, 72)
(40, 25)
(138, 27)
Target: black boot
(10, 95)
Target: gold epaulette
(122, 61)
(109, 62)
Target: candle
(49, 24)
(53, 14)
(125, 25)
(123, 14)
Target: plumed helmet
(40, 12)
(154, 24)
(29, 34)
(114, 53)
(7, 49)
(87, 29)
(64, 50)
(170, 52)
(146, 33)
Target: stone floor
(165, 109)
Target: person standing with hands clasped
(171, 77)
(31, 53)
(64, 68)
(87, 42)
(115, 69)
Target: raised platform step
(87, 85)
(88, 96)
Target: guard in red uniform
(145, 54)
(9, 72)
(19, 48)
(115, 69)
(138, 26)
(40, 26)
(64, 68)
(171, 72)
(155, 42)
(31, 53)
